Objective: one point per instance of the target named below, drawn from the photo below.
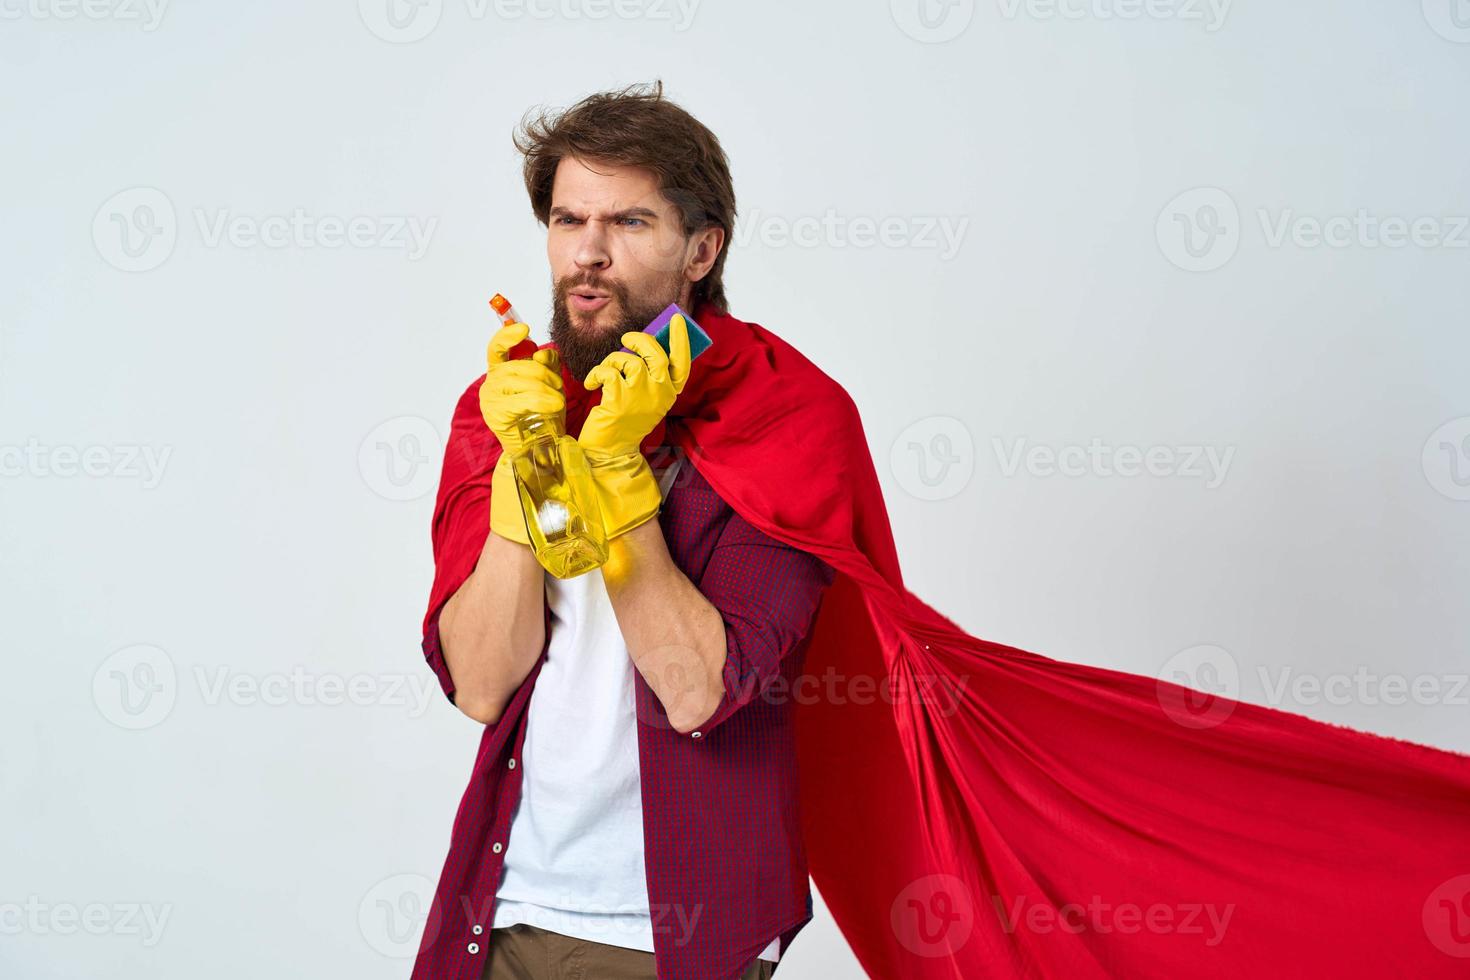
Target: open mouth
(588, 300)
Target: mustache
(613, 288)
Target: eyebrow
(634, 212)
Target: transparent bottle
(554, 482)
(563, 518)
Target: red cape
(975, 810)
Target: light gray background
(173, 737)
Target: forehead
(594, 185)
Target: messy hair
(636, 126)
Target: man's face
(618, 256)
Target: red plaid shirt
(725, 862)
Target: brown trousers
(526, 952)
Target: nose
(592, 254)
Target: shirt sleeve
(435, 656)
(768, 594)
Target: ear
(706, 245)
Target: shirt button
(496, 847)
(695, 734)
(512, 764)
(474, 947)
(477, 930)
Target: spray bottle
(558, 497)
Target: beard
(584, 345)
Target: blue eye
(633, 221)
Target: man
(633, 811)
(960, 800)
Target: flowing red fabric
(975, 810)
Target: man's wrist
(626, 490)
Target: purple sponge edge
(699, 341)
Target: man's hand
(638, 389)
(515, 388)
(512, 389)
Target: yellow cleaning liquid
(558, 498)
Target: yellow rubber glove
(513, 388)
(638, 389)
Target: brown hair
(636, 126)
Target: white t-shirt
(574, 856)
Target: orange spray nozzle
(503, 309)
